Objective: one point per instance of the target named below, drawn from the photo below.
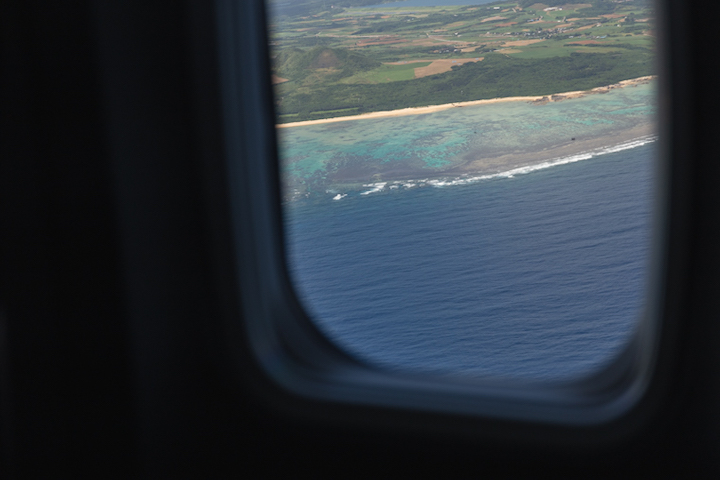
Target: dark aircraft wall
(117, 281)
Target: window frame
(300, 369)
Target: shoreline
(538, 99)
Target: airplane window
(468, 185)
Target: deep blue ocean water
(539, 275)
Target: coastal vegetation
(346, 58)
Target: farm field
(346, 58)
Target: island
(332, 59)
(375, 97)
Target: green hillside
(297, 65)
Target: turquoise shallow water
(325, 157)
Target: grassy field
(336, 57)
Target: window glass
(467, 189)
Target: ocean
(535, 272)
